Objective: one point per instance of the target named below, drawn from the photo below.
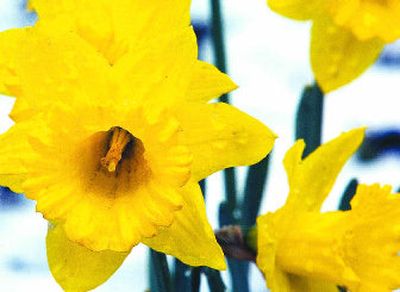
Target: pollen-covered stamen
(118, 143)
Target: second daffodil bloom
(301, 249)
(112, 149)
(347, 35)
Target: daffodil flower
(112, 146)
(302, 249)
(108, 178)
(347, 35)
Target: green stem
(348, 194)
(309, 118)
(160, 280)
(218, 40)
(214, 280)
(186, 278)
(253, 193)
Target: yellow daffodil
(301, 249)
(112, 146)
(347, 35)
(114, 177)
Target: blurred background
(267, 55)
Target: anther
(119, 140)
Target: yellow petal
(303, 284)
(190, 238)
(58, 67)
(312, 179)
(292, 161)
(114, 27)
(369, 19)
(372, 243)
(266, 252)
(208, 83)
(337, 56)
(10, 46)
(298, 9)
(221, 136)
(153, 18)
(161, 72)
(157, 15)
(75, 267)
(45, 8)
(13, 145)
(296, 250)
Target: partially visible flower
(126, 42)
(347, 35)
(302, 249)
(116, 27)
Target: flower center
(112, 163)
(119, 141)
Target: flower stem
(348, 194)
(160, 280)
(214, 280)
(218, 39)
(253, 193)
(186, 278)
(309, 118)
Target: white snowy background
(268, 58)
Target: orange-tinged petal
(298, 9)
(75, 267)
(311, 179)
(303, 284)
(221, 136)
(208, 83)
(337, 56)
(190, 238)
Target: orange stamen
(119, 140)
